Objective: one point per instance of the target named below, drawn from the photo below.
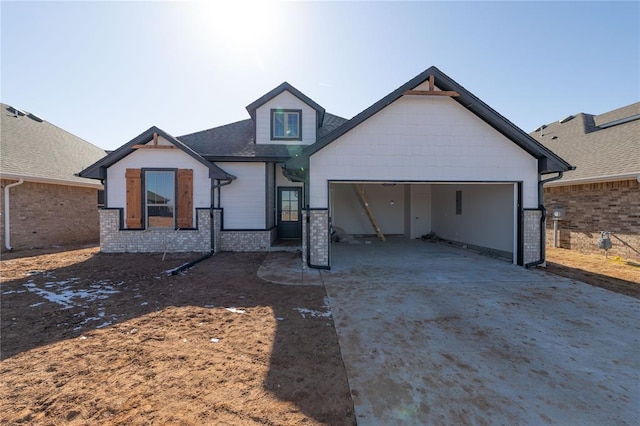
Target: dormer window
(286, 124)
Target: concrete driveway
(432, 334)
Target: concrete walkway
(431, 334)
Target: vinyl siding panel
(244, 200)
(422, 138)
(285, 101)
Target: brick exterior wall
(247, 240)
(591, 208)
(114, 239)
(531, 235)
(319, 237)
(45, 215)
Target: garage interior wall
(486, 219)
(415, 209)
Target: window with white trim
(286, 124)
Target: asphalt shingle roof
(599, 152)
(236, 141)
(34, 149)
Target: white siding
(244, 200)
(422, 138)
(116, 191)
(285, 100)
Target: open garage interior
(477, 215)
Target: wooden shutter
(185, 198)
(134, 198)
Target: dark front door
(289, 218)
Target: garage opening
(477, 215)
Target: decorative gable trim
(98, 170)
(548, 161)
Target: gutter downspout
(542, 221)
(215, 186)
(7, 221)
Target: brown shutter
(185, 198)
(134, 198)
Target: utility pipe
(7, 218)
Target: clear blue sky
(107, 71)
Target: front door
(289, 218)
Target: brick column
(319, 238)
(531, 229)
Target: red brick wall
(591, 208)
(44, 215)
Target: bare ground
(612, 273)
(91, 338)
(112, 339)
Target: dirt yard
(612, 273)
(90, 338)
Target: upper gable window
(286, 124)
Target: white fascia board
(51, 181)
(596, 179)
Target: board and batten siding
(285, 100)
(116, 191)
(244, 200)
(422, 138)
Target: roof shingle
(34, 149)
(599, 153)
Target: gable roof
(604, 147)
(253, 106)
(235, 141)
(38, 151)
(549, 162)
(98, 169)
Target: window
(160, 194)
(285, 124)
(289, 205)
(164, 200)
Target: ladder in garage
(365, 206)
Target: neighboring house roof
(604, 147)
(98, 169)
(549, 161)
(35, 150)
(251, 108)
(235, 141)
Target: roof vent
(35, 117)
(15, 111)
(568, 118)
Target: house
(44, 203)
(603, 193)
(427, 157)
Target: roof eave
(97, 170)
(595, 179)
(466, 99)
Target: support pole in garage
(365, 206)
